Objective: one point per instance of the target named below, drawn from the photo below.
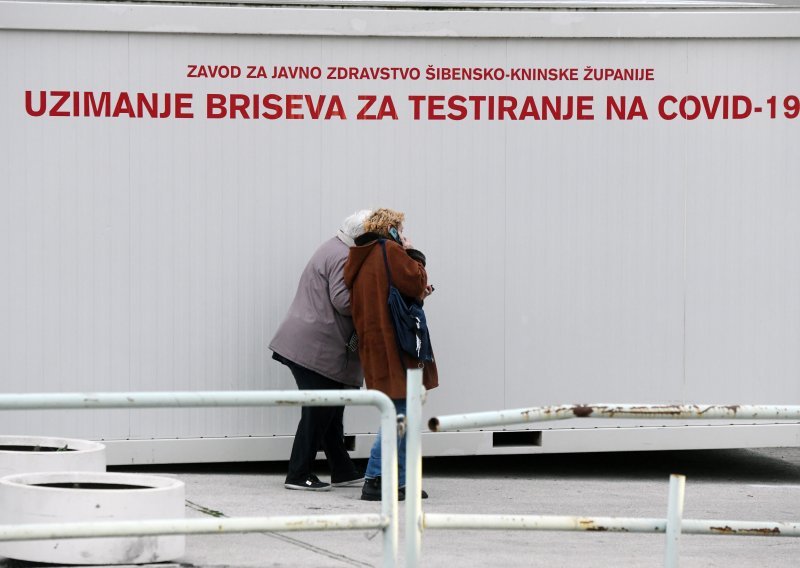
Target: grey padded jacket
(315, 332)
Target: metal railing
(416, 520)
(673, 525)
(387, 521)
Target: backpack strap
(386, 261)
(396, 340)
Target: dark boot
(371, 490)
(401, 494)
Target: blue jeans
(374, 463)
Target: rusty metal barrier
(416, 520)
(673, 525)
(387, 521)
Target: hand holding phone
(395, 234)
(399, 238)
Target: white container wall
(652, 258)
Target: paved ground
(726, 484)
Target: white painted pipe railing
(677, 490)
(605, 524)
(387, 521)
(674, 525)
(640, 411)
(414, 399)
(47, 531)
(416, 519)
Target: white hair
(353, 226)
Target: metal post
(413, 466)
(677, 484)
(389, 483)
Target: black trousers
(320, 427)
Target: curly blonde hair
(381, 219)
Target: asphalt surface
(754, 485)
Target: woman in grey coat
(314, 341)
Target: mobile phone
(395, 235)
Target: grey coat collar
(345, 239)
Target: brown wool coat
(365, 275)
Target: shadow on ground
(700, 465)
(774, 465)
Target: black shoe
(401, 494)
(310, 483)
(351, 480)
(371, 490)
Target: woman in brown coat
(384, 365)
